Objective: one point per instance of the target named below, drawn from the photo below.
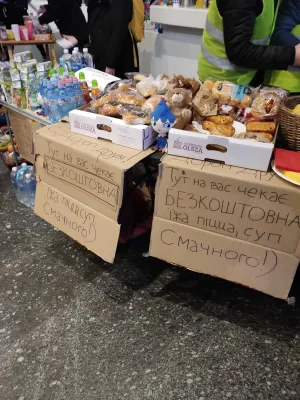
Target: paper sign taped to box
(23, 129)
(269, 271)
(245, 204)
(88, 227)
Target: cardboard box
(139, 137)
(90, 228)
(23, 129)
(90, 172)
(231, 151)
(269, 271)
(249, 205)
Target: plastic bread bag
(136, 76)
(134, 115)
(130, 97)
(151, 103)
(147, 87)
(266, 106)
(116, 85)
(282, 93)
(107, 98)
(110, 109)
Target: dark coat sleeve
(288, 18)
(122, 14)
(238, 23)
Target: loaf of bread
(220, 119)
(261, 126)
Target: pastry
(220, 119)
(136, 118)
(130, 98)
(261, 126)
(139, 77)
(259, 136)
(222, 130)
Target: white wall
(175, 51)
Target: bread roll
(218, 130)
(220, 119)
(261, 126)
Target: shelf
(190, 17)
(27, 113)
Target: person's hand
(38, 26)
(110, 71)
(42, 10)
(297, 56)
(71, 39)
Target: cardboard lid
(120, 157)
(219, 169)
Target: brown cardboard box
(88, 176)
(249, 205)
(269, 271)
(23, 129)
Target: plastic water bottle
(54, 114)
(62, 99)
(70, 96)
(13, 178)
(33, 91)
(46, 99)
(87, 59)
(67, 57)
(76, 61)
(63, 65)
(30, 189)
(20, 180)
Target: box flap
(23, 129)
(88, 170)
(245, 204)
(88, 227)
(263, 269)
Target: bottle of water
(63, 65)
(46, 100)
(20, 180)
(33, 91)
(54, 114)
(79, 92)
(30, 188)
(13, 178)
(87, 59)
(67, 57)
(76, 61)
(62, 99)
(70, 96)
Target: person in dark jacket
(235, 41)
(69, 19)
(287, 33)
(112, 44)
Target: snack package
(130, 97)
(136, 76)
(151, 103)
(282, 93)
(147, 87)
(110, 109)
(121, 85)
(204, 103)
(133, 115)
(240, 96)
(266, 106)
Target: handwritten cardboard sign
(88, 170)
(267, 270)
(249, 205)
(90, 228)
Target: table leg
(10, 52)
(53, 55)
(48, 52)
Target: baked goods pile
(239, 111)
(213, 107)
(135, 98)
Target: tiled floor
(75, 328)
